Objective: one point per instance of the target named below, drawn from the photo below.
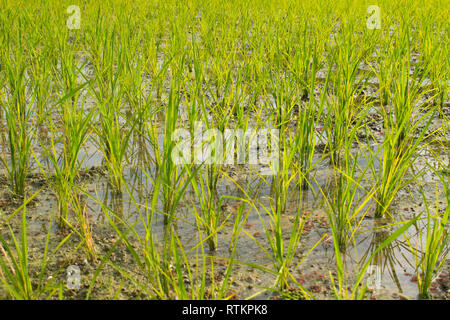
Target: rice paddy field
(207, 149)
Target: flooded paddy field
(154, 152)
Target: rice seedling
(356, 291)
(385, 260)
(281, 252)
(213, 149)
(15, 266)
(20, 118)
(431, 247)
(406, 125)
(346, 206)
(172, 174)
(434, 46)
(347, 201)
(197, 287)
(309, 115)
(66, 164)
(342, 111)
(172, 271)
(80, 208)
(115, 129)
(210, 210)
(283, 144)
(41, 75)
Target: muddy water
(394, 264)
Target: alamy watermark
(373, 277)
(73, 277)
(229, 147)
(374, 20)
(74, 21)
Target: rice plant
(406, 122)
(17, 105)
(15, 264)
(66, 163)
(341, 107)
(341, 291)
(431, 247)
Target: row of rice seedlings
(383, 62)
(280, 252)
(210, 207)
(172, 174)
(283, 91)
(211, 143)
(345, 86)
(227, 109)
(284, 177)
(41, 76)
(217, 289)
(172, 178)
(406, 123)
(137, 88)
(346, 200)
(115, 130)
(171, 270)
(85, 227)
(205, 188)
(62, 151)
(435, 45)
(309, 115)
(153, 117)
